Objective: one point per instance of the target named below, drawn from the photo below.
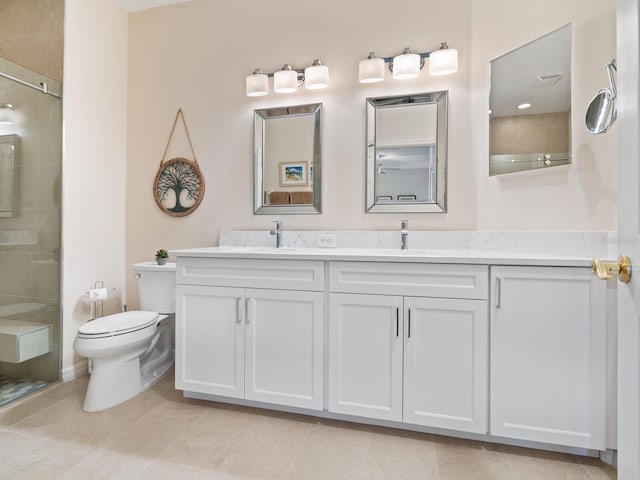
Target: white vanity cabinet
(397, 351)
(238, 341)
(506, 353)
(548, 355)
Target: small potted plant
(161, 256)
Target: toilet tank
(157, 286)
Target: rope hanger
(180, 115)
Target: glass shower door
(30, 219)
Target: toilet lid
(119, 323)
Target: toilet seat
(118, 324)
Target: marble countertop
(477, 257)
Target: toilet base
(112, 381)
(116, 380)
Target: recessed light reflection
(522, 106)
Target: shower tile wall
(31, 34)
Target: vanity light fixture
(6, 114)
(287, 79)
(443, 61)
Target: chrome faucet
(404, 233)
(277, 232)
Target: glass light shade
(406, 66)
(443, 61)
(316, 77)
(6, 114)
(285, 81)
(371, 70)
(257, 84)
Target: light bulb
(316, 76)
(371, 69)
(285, 80)
(257, 84)
(443, 61)
(406, 65)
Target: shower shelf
(21, 341)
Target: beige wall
(196, 55)
(94, 158)
(31, 34)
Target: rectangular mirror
(407, 153)
(287, 159)
(530, 105)
(8, 160)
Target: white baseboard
(74, 371)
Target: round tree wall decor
(178, 187)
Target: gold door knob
(607, 270)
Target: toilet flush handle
(138, 276)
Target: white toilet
(131, 351)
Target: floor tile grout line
(293, 460)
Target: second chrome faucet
(278, 233)
(404, 234)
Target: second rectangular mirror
(407, 153)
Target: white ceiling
(138, 5)
(513, 75)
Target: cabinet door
(210, 340)
(284, 347)
(446, 362)
(548, 355)
(365, 355)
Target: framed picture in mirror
(294, 174)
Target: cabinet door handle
(250, 311)
(498, 292)
(408, 323)
(397, 321)
(239, 310)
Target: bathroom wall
(195, 56)
(581, 196)
(31, 34)
(95, 123)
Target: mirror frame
(260, 118)
(9, 181)
(440, 99)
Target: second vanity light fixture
(443, 61)
(288, 79)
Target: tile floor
(160, 435)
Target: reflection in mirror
(287, 151)
(8, 159)
(530, 105)
(407, 153)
